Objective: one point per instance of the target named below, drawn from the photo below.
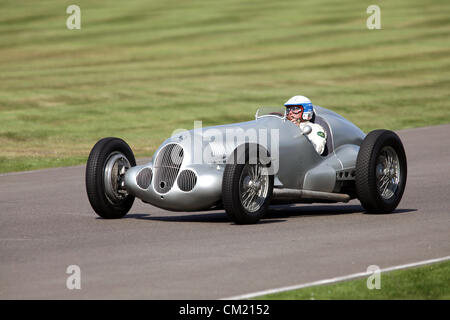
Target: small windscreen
(270, 111)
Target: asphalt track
(46, 224)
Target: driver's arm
(318, 137)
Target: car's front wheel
(107, 164)
(246, 191)
(381, 171)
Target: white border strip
(333, 280)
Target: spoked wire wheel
(253, 187)
(107, 164)
(381, 171)
(247, 191)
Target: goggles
(294, 109)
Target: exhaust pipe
(307, 195)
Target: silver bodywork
(299, 165)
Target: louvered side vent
(167, 166)
(187, 180)
(144, 178)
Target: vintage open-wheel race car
(245, 167)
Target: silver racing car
(245, 167)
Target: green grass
(428, 282)
(139, 69)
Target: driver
(299, 110)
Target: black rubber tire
(95, 185)
(366, 188)
(231, 198)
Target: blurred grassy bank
(140, 69)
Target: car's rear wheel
(246, 191)
(381, 172)
(107, 164)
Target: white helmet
(303, 101)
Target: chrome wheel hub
(253, 187)
(387, 172)
(114, 177)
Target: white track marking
(333, 280)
